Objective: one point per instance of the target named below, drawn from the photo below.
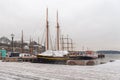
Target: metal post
(12, 35)
(22, 43)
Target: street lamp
(12, 36)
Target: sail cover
(54, 53)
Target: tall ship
(52, 55)
(59, 55)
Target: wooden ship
(52, 55)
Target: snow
(39, 71)
(54, 53)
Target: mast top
(57, 19)
(47, 15)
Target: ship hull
(82, 57)
(51, 59)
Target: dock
(20, 59)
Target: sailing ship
(61, 55)
(52, 55)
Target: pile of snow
(54, 53)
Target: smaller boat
(91, 54)
(84, 55)
(101, 55)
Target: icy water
(30, 71)
(112, 56)
(39, 71)
(109, 57)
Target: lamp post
(12, 36)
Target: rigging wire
(43, 36)
(51, 45)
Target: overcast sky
(93, 24)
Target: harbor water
(109, 57)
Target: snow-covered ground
(38, 71)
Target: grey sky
(93, 24)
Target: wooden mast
(30, 50)
(38, 41)
(47, 30)
(67, 43)
(57, 32)
(71, 45)
(22, 42)
(62, 43)
(32, 43)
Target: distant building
(36, 48)
(5, 43)
(32, 47)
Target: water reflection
(81, 62)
